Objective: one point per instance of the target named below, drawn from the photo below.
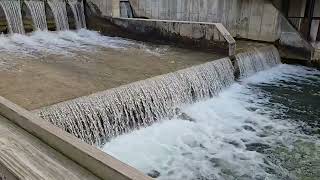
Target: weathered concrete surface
(28, 158)
(5, 174)
(68, 158)
(250, 19)
(36, 82)
(205, 35)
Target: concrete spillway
(256, 60)
(98, 117)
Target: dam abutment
(257, 20)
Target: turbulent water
(37, 9)
(78, 12)
(98, 117)
(59, 10)
(12, 10)
(67, 43)
(262, 127)
(41, 44)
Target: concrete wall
(250, 19)
(211, 36)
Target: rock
(154, 174)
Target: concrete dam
(158, 89)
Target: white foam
(68, 43)
(213, 147)
(285, 73)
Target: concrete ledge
(97, 162)
(5, 174)
(213, 36)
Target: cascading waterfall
(125, 9)
(257, 60)
(78, 12)
(98, 117)
(37, 9)
(12, 10)
(59, 10)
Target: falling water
(257, 60)
(98, 117)
(37, 9)
(125, 9)
(59, 10)
(78, 12)
(12, 10)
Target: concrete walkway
(29, 158)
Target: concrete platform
(33, 149)
(34, 83)
(29, 158)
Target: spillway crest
(98, 117)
